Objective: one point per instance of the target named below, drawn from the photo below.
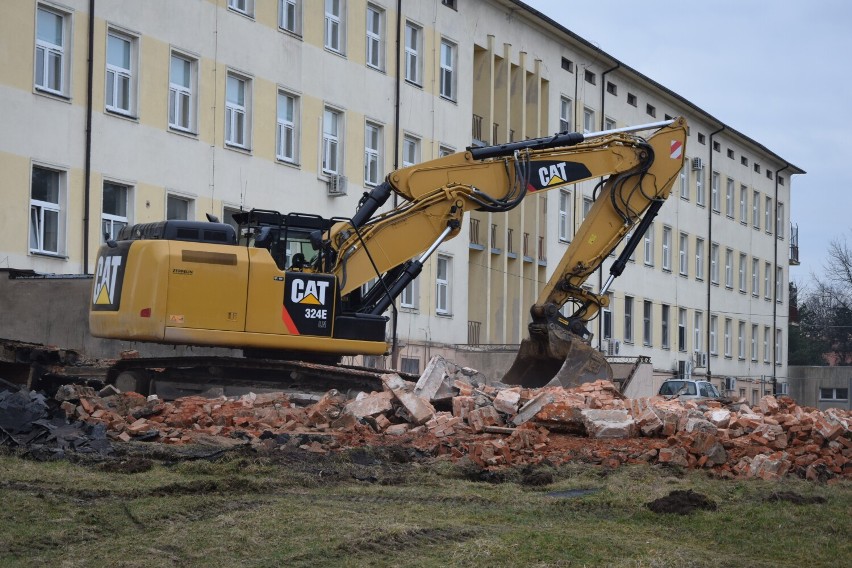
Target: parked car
(689, 389)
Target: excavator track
(170, 377)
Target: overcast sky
(778, 71)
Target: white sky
(779, 71)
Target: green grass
(249, 510)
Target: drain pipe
(87, 169)
(603, 127)
(710, 245)
(396, 112)
(776, 298)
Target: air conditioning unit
(614, 347)
(701, 359)
(730, 383)
(336, 185)
(697, 164)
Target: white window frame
(444, 150)
(410, 150)
(729, 198)
(449, 57)
(413, 49)
(714, 323)
(727, 337)
(443, 280)
(49, 55)
(238, 113)
(697, 331)
(699, 187)
(332, 140)
(754, 342)
(112, 223)
(606, 327)
(699, 258)
(290, 16)
(766, 344)
(372, 153)
(755, 209)
(768, 216)
(767, 281)
(741, 330)
(588, 120)
(681, 330)
(41, 208)
(375, 33)
(628, 319)
(244, 7)
(684, 181)
(188, 200)
(647, 322)
(335, 26)
(742, 272)
(116, 74)
(665, 314)
(755, 277)
(683, 255)
(408, 297)
(667, 248)
(779, 220)
(287, 127)
(566, 114)
(714, 191)
(779, 338)
(649, 246)
(180, 94)
(714, 263)
(779, 284)
(743, 204)
(565, 218)
(729, 268)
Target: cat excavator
(301, 287)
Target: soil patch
(795, 498)
(682, 503)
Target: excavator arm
(436, 194)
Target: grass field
(386, 507)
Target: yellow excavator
(295, 286)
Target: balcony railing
(509, 247)
(476, 130)
(473, 329)
(541, 253)
(794, 245)
(474, 232)
(493, 241)
(526, 244)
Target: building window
(681, 329)
(766, 345)
(245, 7)
(448, 70)
(290, 16)
(631, 99)
(755, 209)
(47, 217)
(52, 51)
(628, 319)
(729, 268)
(408, 298)
(375, 37)
(647, 309)
(779, 284)
(683, 252)
(114, 211)
(714, 192)
(833, 394)
(743, 204)
(413, 48)
(410, 150)
(567, 65)
(565, 216)
(730, 153)
(741, 340)
(728, 340)
(237, 111)
(714, 323)
(178, 207)
(714, 263)
(667, 248)
(182, 91)
(767, 281)
(777, 345)
(565, 114)
(286, 139)
(609, 123)
(611, 88)
(410, 365)
(699, 259)
(607, 318)
(684, 182)
(779, 221)
(729, 198)
(742, 273)
(755, 277)
(588, 120)
(332, 141)
(651, 110)
(702, 139)
(754, 342)
(334, 26)
(445, 151)
(120, 72)
(372, 153)
(443, 278)
(587, 206)
(697, 331)
(699, 187)
(767, 215)
(744, 160)
(590, 77)
(664, 325)
(649, 245)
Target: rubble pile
(452, 412)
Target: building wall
(821, 387)
(510, 71)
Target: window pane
(49, 27)
(179, 71)
(118, 52)
(236, 91)
(45, 185)
(51, 231)
(115, 199)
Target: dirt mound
(795, 498)
(682, 503)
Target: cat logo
(105, 280)
(308, 292)
(553, 174)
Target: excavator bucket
(557, 357)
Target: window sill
(294, 35)
(54, 255)
(241, 13)
(185, 133)
(448, 99)
(413, 84)
(475, 246)
(334, 52)
(120, 114)
(288, 163)
(447, 315)
(52, 94)
(240, 149)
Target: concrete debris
(450, 412)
